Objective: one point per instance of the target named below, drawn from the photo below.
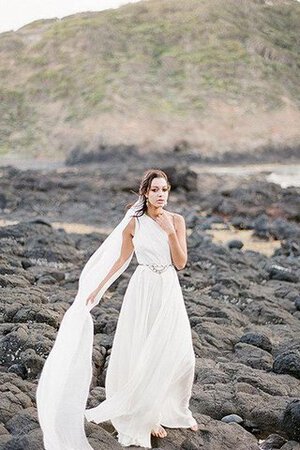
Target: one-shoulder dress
(150, 371)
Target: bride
(150, 371)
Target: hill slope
(219, 74)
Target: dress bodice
(151, 243)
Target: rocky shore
(243, 305)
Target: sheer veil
(63, 386)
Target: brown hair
(145, 185)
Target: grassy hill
(219, 74)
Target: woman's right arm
(126, 250)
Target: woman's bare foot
(159, 431)
(195, 427)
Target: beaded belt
(157, 268)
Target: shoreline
(284, 174)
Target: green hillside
(153, 73)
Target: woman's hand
(91, 297)
(166, 222)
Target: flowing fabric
(151, 367)
(63, 385)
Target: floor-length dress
(151, 367)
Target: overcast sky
(16, 13)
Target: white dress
(151, 367)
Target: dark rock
(3, 201)
(257, 339)
(297, 303)
(19, 369)
(262, 227)
(41, 221)
(291, 420)
(242, 223)
(288, 247)
(197, 238)
(235, 243)
(182, 177)
(282, 229)
(32, 362)
(288, 362)
(282, 273)
(31, 441)
(272, 442)
(23, 422)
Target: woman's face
(158, 192)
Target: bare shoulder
(130, 227)
(178, 219)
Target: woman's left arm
(177, 242)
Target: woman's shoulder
(175, 215)
(130, 227)
(177, 218)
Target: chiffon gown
(150, 372)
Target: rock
(235, 243)
(23, 422)
(253, 356)
(212, 435)
(182, 177)
(32, 362)
(3, 201)
(262, 227)
(242, 223)
(288, 362)
(289, 247)
(4, 439)
(272, 442)
(10, 347)
(41, 221)
(257, 339)
(291, 445)
(18, 369)
(243, 390)
(282, 229)
(15, 396)
(297, 303)
(282, 273)
(33, 440)
(208, 223)
(232, 418)
(197, 238)
(291, 419)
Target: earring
(146, 201)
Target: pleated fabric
(151, 367)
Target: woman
(151, 367)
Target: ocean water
(283, 174)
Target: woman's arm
(126, 250)
(177, 242)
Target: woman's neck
(154, 212)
